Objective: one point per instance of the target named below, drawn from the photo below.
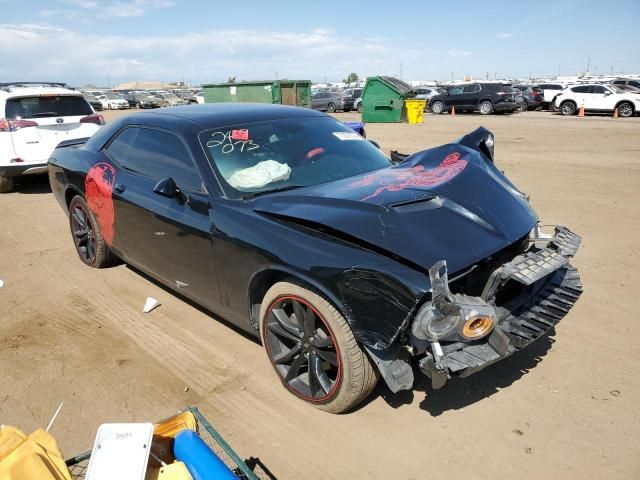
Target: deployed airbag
(261, 174)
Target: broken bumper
(550, 289)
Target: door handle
(119, 187)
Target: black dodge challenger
(349, 265)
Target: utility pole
(611, 72)
(486, 77)
(276, 74)
(588, 63)
(451, 76)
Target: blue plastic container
(200, 460)
(357, 126)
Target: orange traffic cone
(615, 113)
(581, 112)
(453, 111)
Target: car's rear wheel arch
(69, 193)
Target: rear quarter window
(47, 106)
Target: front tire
(625, 109)
(312, 349)
(437, 107)
(331, 108)
(6, 184)
(523, 106)
(360, 108)
(568, 108)
(485, 107)
(87, 237)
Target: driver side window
(456, 90)
(155, 154)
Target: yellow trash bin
(415, 109)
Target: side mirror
(607, 93)
(167, 188)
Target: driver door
(168, 237)
(455, 97)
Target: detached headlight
(457, 318)
(454, 317)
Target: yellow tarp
(35, 456)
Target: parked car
(550, 90)
(113, 101)
(599, 98)
(357, 104)
(349, 99)
(142, 100)
(529, 97)
(33, 120)
(425, 93)
(483, 97)
(182, 93)
(171, 99)
(627, 88)
(198, 97)
(299, 231)
(93, 101)
(327, 101)
(627, 81)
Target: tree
(351, 78)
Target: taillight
(13, 125)
(95, 118)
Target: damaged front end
(457, 333)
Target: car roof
(35, 91)
(210, 115)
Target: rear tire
(437, 107)
(625, 110)
(87, 237)
(331, 108)
(568, 108)
(6, 184)
(360, 108)
(485, 107)
(345, 374)
(523, 106)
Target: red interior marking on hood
(419, 177)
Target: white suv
(33, 120)
(597, 97)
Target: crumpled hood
(449, 202)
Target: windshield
(294, 152)
(169, 95)
(47, 106)
(112, 96)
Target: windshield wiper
(275, 190)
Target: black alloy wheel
(302, 349)
(83, 234)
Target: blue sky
(109, 41)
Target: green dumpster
(284, 92)
(383, 100)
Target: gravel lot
(567, 407)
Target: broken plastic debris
(150, 304)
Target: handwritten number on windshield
(228, 145)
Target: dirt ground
(566, 407)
